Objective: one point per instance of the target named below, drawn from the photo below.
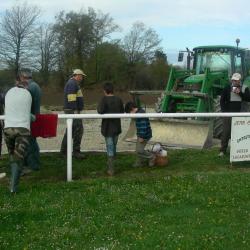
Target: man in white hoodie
(18, 102)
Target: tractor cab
(220, 58)
(195, 90)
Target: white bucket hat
(236, 77)
(79, 72)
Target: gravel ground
(92, 139)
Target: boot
(25, 171)
(78, 155)
(15, 175)
(151, 161)
(110, 170)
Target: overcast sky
(179, 23)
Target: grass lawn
(197, 202)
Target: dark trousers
(226, 133)
(32, 159)
(77, 133)
(1, 137)
(142, 154)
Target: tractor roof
(217, 47)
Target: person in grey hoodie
(18, 116)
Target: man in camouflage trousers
(73, 104)
(18, 103)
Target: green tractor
(197, 90)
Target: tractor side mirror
(180, 57)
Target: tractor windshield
(214, 60)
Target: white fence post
(69, 149)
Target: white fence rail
(69, 121)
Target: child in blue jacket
(144, 134)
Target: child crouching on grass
(144, 134)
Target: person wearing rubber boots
(144, 134)
(73, 104)
(111, 128)
(1, 121)
(18, 116)
(32, 160)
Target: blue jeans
(111, 143)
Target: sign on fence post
(240, 139)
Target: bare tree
(75, 39)
(103, 26)
(17, 34)
(79, 35)
(46, 57)
(140, 43)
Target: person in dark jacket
(32, 159)
(144, 134)
(231, 101)
(111, 128)
(1, 121)
(73, 104)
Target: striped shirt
(143, 126)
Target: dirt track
(92, 138)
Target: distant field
(196, 202)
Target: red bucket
(44, 126)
